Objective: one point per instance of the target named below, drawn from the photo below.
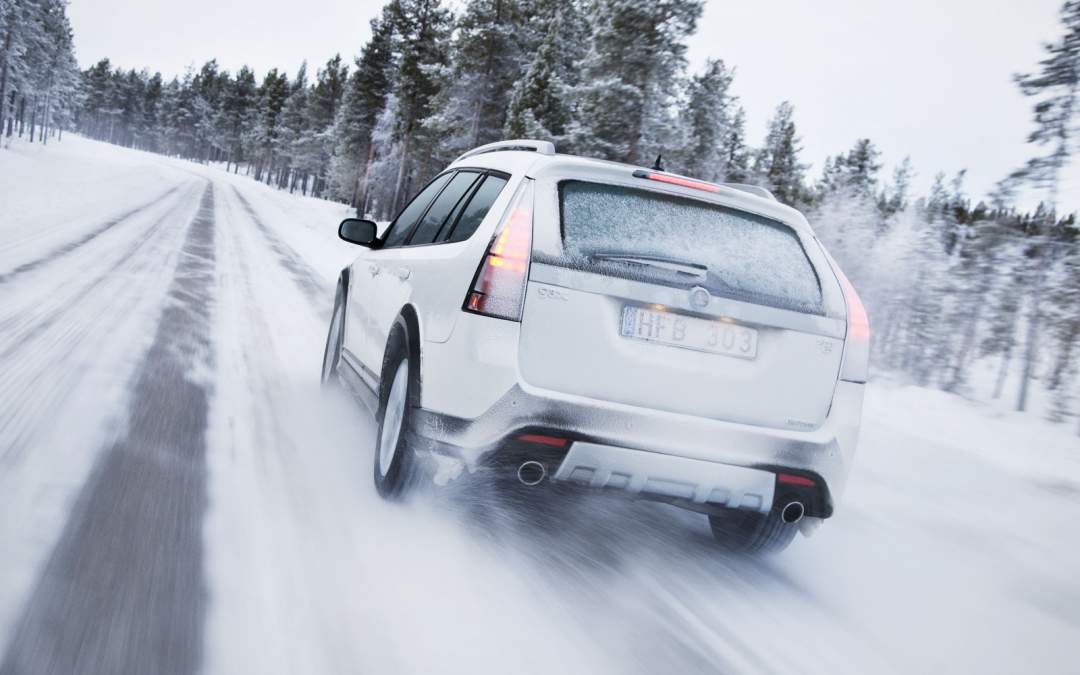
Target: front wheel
(742, 531)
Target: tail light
(498, 289)
(857, 348)
(677, 180)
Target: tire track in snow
(123, 590)
(33, 324)
(64, 249)
(302, 273)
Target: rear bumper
(649, 451)
(690, 481)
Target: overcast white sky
(926, 78)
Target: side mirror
(359, 231)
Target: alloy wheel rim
(393, 417)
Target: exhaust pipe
(793, 512)
(531, 473)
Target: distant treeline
(953, 286)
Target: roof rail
(756, 190)
(542, 147)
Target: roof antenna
(658, 165)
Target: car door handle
(374, 269)
(403, 273)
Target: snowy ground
(176, 494)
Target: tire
(395, 466)
(332, 351)
(742, 531)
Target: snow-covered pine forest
(965, 293)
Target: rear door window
(477, 207)
(445, 206)
(406, 220)
(682, 242)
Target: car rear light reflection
(543, 439)
(856, 364)
(499, 287)
(792, 479)
(677, 180)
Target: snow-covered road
(177, 494)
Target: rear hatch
(663, 297)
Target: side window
(444, 206)
(403, 224)
(477, 208)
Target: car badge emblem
(699, 297)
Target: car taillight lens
(857, 348)
(499, 287)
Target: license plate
(676, 330)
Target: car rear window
(676, 241)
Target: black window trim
(409, 234)
(446, 230)
(440, 239)
(468, 193)
(505, 177)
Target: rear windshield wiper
(686, 267)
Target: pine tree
(263, 136)
(485, 61)
(363, 100)
(16, 28)
(777, 162)
(421, 29)
(151, 109)
(706, 123)
(630, 78)
(292, 127)
(1057, 88)
(96, 84)
(860, 168)
(235, 114)
(736, 153)
(541, 103)
(315, 146)
(895, 198)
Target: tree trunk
(1030, 344)
(48, 105)
(399, 184)
(33, 120)
(1003, 372)
(5, 51)
(1064, 356)
(966, 347)
(362, 183)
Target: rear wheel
(743, 531)
(395, 463)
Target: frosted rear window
(735, 254)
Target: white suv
(569, 319)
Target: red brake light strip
(677, 180)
